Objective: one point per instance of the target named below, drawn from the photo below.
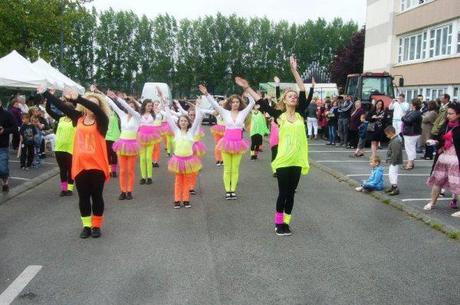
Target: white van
(150, 91)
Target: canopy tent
(62, 80)
(18, 72)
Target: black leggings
(27, 153)
(256, 141)
(110, 153)
(288, 179)
(64, 161)
(274, 152)
(90, 185)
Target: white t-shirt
(399, 110)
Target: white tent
(62, 80)
(18, 72)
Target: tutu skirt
(233, 142)
(446, 173)
(125, 147)
(199, 149)
(148, 135)
(166, 130)
(184, 165)
(218, 130)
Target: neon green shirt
(65, 135)
(113, 132)
(293, 145)
(258, 124)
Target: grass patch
(437, 226)
(454, 235)
(386, 201)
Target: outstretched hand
(70, 93)
(293, 62)
(313, 82)
(160, 93)
(241, 82)
(203, 89)
(111, 94)
(276, 79)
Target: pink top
(274, 134)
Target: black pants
(90, 185)
(274, 152)
(429, 151)
(256, 141)
(288, 179)
(354, 138)
(110, 153)
(64, 161)
(15, 140)
(27, 152)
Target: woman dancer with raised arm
(90, 165)
(292, 158)
(232, 144)
(126, 146)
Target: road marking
(8, 296)
(43, 162)
(407, 175)
(424, 199)
(334, 151)
(20, 178)
(342, 161)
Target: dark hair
(455, 107)
(188, 120)
(377, 102)
(144, 105)
(131, 100)
(402, 95)
(432, 105)
(389, 129)
(229, 102)
(340, 97)
(416, 103)
(26, 116)
(447, 96)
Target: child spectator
(38, 139)
(394, 158)
(27, 133)
(362, 132)
(375, 180)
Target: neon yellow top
(183, 145)
(258, 124)
(65, 135)
(128, 135)
(293, 145)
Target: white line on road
(342, 161)
(20, 178)
(8, 296)
(424, 199)
(408, 175)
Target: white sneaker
(359, 189)
(428, 206)
(456, 214)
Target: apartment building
(418, 39)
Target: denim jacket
(375, 180)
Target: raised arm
(179, 107)
(244, 113)
(167, 114)
(51, 112)
(295, 73)
(211, 100)
(277, 88)
(197, 122)
(68, 110)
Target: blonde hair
(102, 103)
(281, 105)
(376, 159)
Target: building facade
(417, 39)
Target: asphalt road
(346, 247)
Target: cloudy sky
(292, 10)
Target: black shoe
(122, 196)
(86, 232)
(394, 192)
(63, 193)
(142, 181)
(129, 196)
(187, 204)
(192, 192)
(68, 193)
(156, 164)
(149, 181)
(114, 175)
(95, 232)
(253, 157)
(177, 204)
(388, 190)
(279, 229)
(5, 188)
(287, 230)
(228, 196)
(221, 162)
(275, 175)
(328, 143)
(233, 196)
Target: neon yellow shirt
(183, 145)
(65, 135)
(293, 145)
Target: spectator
(27, 134)
(376, 118)
(375, 180)
(312, 120)
(394, 158)
(322, 121)
(446, 167)
(344, 112)
(441, 118)
(428, 119)
(399, 107)
(362, 133)
(331, 116)
(7, 126)
(412, 128)
(15, 110)
(355, 121)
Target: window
(374, 85)
(458, 42)
(456, 95)
(440, 41)
(412, 47)
(408, 4)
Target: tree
(349, 59)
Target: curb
(433, 222)
(18, 190)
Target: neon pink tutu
(233, 142)
(199, 149)
(166, 130)
(125, 147)
(274, 134)
(218, 130)
(184, 165)
(148, 135)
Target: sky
(297, 11)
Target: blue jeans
(331, 133)
(4, 167)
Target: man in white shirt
(399, 107)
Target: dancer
(258, 130)
(113, 134)
(292, 158)
(218, 131)
(148, 136)
(65, 134)
(157, 123)
(90, 166)
(183, 163)
(232, 144)
(126, 146)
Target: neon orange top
(89, 150)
